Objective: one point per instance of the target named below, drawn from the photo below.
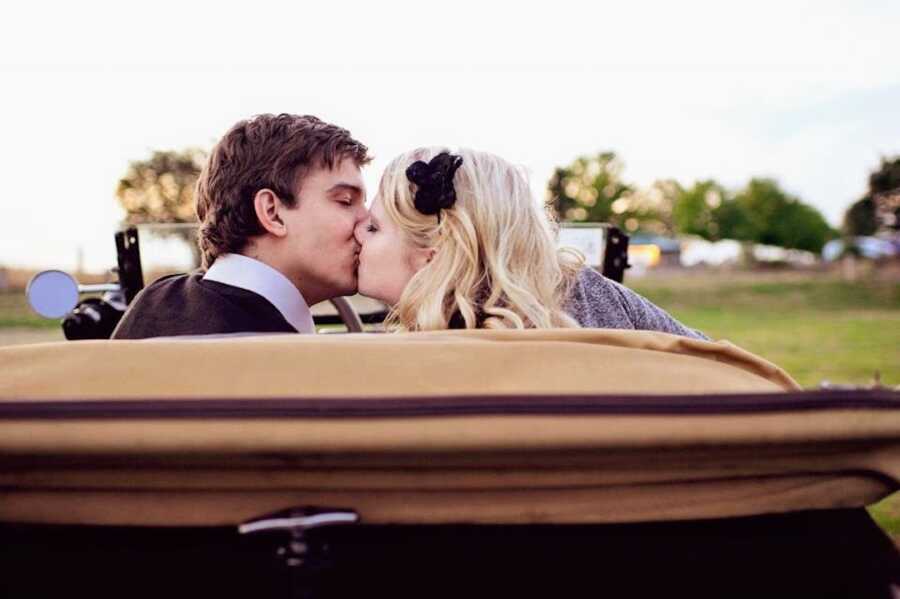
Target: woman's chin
(363, 286)
(367, 286)
(371, 292)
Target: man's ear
(268, 207)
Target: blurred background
(751, 150)
(752, 153)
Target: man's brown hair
(264, 152)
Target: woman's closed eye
(370, 228)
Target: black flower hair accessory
(434, 180)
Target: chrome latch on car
(299, 519)
(304, 556)
(296, 522)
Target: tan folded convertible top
(461, 426)
(369, 365)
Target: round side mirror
(52, 293)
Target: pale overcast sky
(806, 92)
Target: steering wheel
(347, 313)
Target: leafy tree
(698, 210)
(773, 217)
(732, 223)
(884, 188)
(591, 189)
(585, 190)
(653, 209)
(859, 219)
(879, 208)
(160, 189)
(886, 178)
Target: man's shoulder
(188, 304)
(191, 283)
(178, 280)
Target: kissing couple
(453, 239)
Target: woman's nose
(359, 230)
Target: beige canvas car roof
(75, 452)
(371, 365)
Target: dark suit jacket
(189, 305)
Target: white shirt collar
(248, 273)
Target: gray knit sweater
(597, 302)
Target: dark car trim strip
(391, 407)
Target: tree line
(592, 188)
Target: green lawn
(887, 514)
(815, 328)
(15, 313)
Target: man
(278, 202)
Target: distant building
(700, 252)
(652, 251)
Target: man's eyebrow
(345, 187)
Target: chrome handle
(299, 522)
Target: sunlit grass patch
(15, 312)
(816, 329)
(887, 514)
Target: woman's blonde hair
(496, 264)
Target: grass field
(817, 327)
(15, 314)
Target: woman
(458, 241)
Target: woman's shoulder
(592, 280)
(598, 302)
(595, 301)
(593, 286)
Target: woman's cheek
(370, 257)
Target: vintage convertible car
(459, 463)
(465, 463)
